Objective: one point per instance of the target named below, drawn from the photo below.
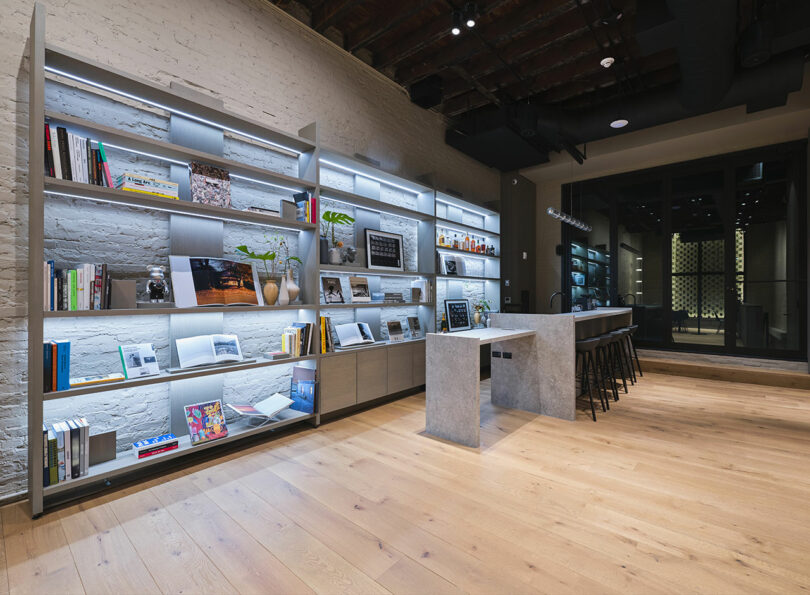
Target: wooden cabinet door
(372, 374)
(418, 363)
(400, 368)
(338, 382)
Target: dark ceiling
(528, 75)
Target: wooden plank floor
(686, 485)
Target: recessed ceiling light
(619, 123)
(470, 14)
(607, 62)
(456, 30)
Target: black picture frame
(384, 250)
(457, 313)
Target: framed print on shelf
(458, 315)
(384, 250)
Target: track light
(470, 14)
(456, 30)
(566, 218)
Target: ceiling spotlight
(470, 14)
(619, 123)
(607, 62)
(456, 30)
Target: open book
(200, 281)
(208, 349)
(269, 407)
(354, 334)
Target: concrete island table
(533, 368)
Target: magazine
(139, 360)
(206, 421)
(302, 389)
(415, 327)
(332, 292)
(354, 334)
(360, 291)
(269, 407)
(214, 282)
(395, 334)
(208, 349)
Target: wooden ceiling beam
(528, 18)
(329, 13)
(378, 28)
(415, 42)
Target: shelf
(372, 204)
(330, 159)
(465, 253)
(466, 278)
(166, 377)
(377, 345)
(341, 270)
(137, 88)
(127, 461)
(375, 305)
(169, 151)
(80, 190)
(456, 226)
(164, 311)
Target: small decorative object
(349, 254)
(332, 292)
(458, 315)
(157, 286)
(329, 220)
(324, 248)
(270, 292)
(481, 306)
(292, 286)
(270, 289)
(384, 250)
(287, 279)
(284, 293)
(210, 185)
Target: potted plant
(481, 306)
(330, 219)
(270, 288)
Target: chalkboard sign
(384, 250)
(458, 314)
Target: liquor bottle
(444, 328)
(455, 241)
(467, 243)
(441, 239)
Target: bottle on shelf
(441, 238)
(472, 243)
(444, 327)
(467, 243)
(455, 241)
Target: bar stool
(606, 370)
(631, 347)
(586, 348)
(627, 357)
(614, 348)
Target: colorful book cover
(62, 365)
(206, 421)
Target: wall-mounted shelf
(375, 305)
(377, 345)
(167, 311)
(68, 189)
(466, 253)
(341, 270)
(467, 278)
(462, 228)
(373, 204)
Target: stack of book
(327, 340)
(306, 207)
(146, 185)
(296, 339)
(155, 446)
(56, 365)
(69, 156)
(86, 287)
(66, 451)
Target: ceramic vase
(477, 318)
(292, 288)
(270, 292)
(284, 294)
(324, 251)
(334, 256)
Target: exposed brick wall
(262, 64)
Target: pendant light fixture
(470, 14)
(456, 28)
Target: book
(152, 446)
(354, 334)
(332, 292)
(415, 327)
(105, 165)
(84, 445)
(145, 185)
(75, 448)
(208, 349)
(139, 360)
(60, 452)
(269, 407)
(62, 365)
(64, 153)
(47, 367)
(210, 185)
(49, 165)
(64, 429)
(214, 282)
(393, 298)
(97, 379)
(276, 355)
(360, 291)
(302, 389)
(264, 211)
(46, 475)
(57, 158)
(395, 334)
(305, 207)
(206, 421)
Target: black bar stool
(627, 355)
(615, 350)
(606, 370)
(586, 348)
(631, 347)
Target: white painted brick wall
(263, 65)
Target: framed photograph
(458, 315)
(415, 327)
(360, 291)
(395, 334)
(453, 265)
(384, 250)
(332, 292)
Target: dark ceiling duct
(706, 50)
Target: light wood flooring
(685, 486)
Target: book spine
(89, 285)
(51, 269)
(65, 429)
(47, 366)
(75, 450)
(314, 209)
(64, 153)
(123, 363)
(105, 165)
(74, 290)
(60, 452)
(323, 336)
(85, 445)
(97, 288)
(54, 366)
(80, 288)
(104, 290)
(48, 151)
(46, 475)
(88, 154)
(63, 365)
(142, 454)
(53, 459)
(83, 153)
(57, 157)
